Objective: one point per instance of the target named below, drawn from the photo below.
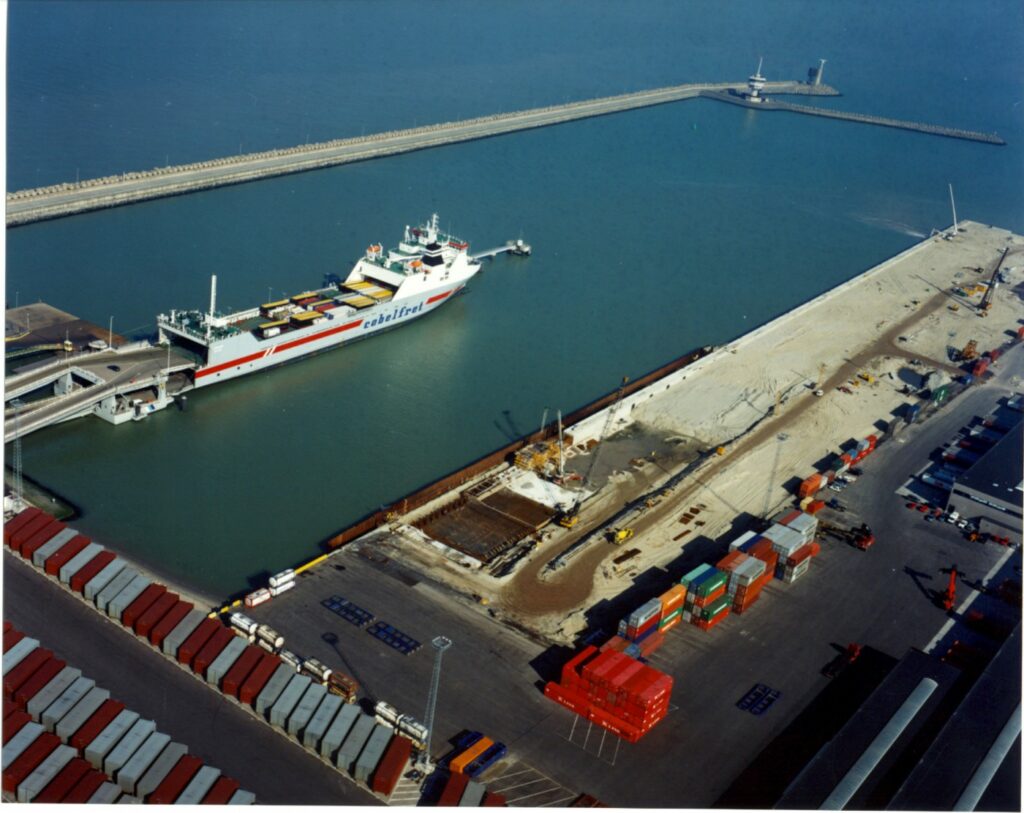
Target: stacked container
(800, 521)
(747, 576)
(812, 485)
(671, 607)
(643, 621)
(613, 690)
(707, 598)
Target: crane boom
(986, 300)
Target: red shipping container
(11, 637)
(133, 612)
(43, 675)
(166, 625)
(221, 792)
(651, 643)
(258, 678)
(573, 701)
(74, 546)
(157, 610)
(211, 649)
(85, 788)
(175, 781)
(391, 765)
(61, 785)
(30, 546)
(241, 669)
(42, 534)
(8, 626)
(626, 674)
(799, 555)
(19, 520)
(616, 644)
(99, 720)
(17, 538)
(602, 664)
(10, 706)
(24, 670)
(574, 664)
(730, 561)
(200, 635)
(453, 790)
(28, 760)
(14, 722)
(95, 565)
(815, 506)
(494, 800)
(617, 726)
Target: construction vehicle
(986, 301)
(619, 535)
(969, 352)
(569, 517)
(865, 376)
(861, 538)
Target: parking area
(523, 786)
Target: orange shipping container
(671, 599)
(731, 560)
(459, 763)
(812, 485)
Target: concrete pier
(920, 127)
(61, 200)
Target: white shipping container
(257, 597)
(741, 540)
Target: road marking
(967, 602)
(559, 801)
(531, 795)
(521, 785)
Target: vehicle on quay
(382, 291)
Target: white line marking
(559, 801)
(967, 602)
(538, 793)
(520, 785)
(513, 773)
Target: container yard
(648, 575)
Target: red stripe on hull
(286, 346)
(439, 297)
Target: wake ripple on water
(889, 225)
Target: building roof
(997, 474)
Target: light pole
(110, 334)
(440, 644)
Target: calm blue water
(655, 231)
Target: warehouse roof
(998, 473)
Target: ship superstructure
(383, 290)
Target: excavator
(569, 517)
(618, 536)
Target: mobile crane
(569, 517)
(986, 301)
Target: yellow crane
(986, 300)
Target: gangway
(515, 247)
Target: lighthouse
(755, 84)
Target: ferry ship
(382, 291)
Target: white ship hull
(246, 354)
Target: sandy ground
(879, 322)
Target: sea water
(654, 231)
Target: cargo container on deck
(139, 762)
(104, 742)
(68, 550)
(171, 619)
(339, 730)
(196, 640)
(258, 678)
(160, 768)
(306, 707)
(321, 721)
(240, 670)
(200, 785)
(180, 632)
(48, 672)
(103, 716)
(18, 769)
(65, 702)
(154, 613)
(222, 664)
(175, 781)
(14, 679)
(392, 765)
(85, 787)
(372, 753)
(266, 698)
(80, 714)
(221, 637)
(107, 593)
(137, 608)
(221, 792)
(119, 603)
(44, 773)
(81, 578)
(354, 743)
(243, 797)
(62, 784)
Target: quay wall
(60, 200)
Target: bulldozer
(619, 536)
(969, 352)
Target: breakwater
(61, 200)
(879, 121)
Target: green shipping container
(712, 583)
(715, 607)
(674, 614)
